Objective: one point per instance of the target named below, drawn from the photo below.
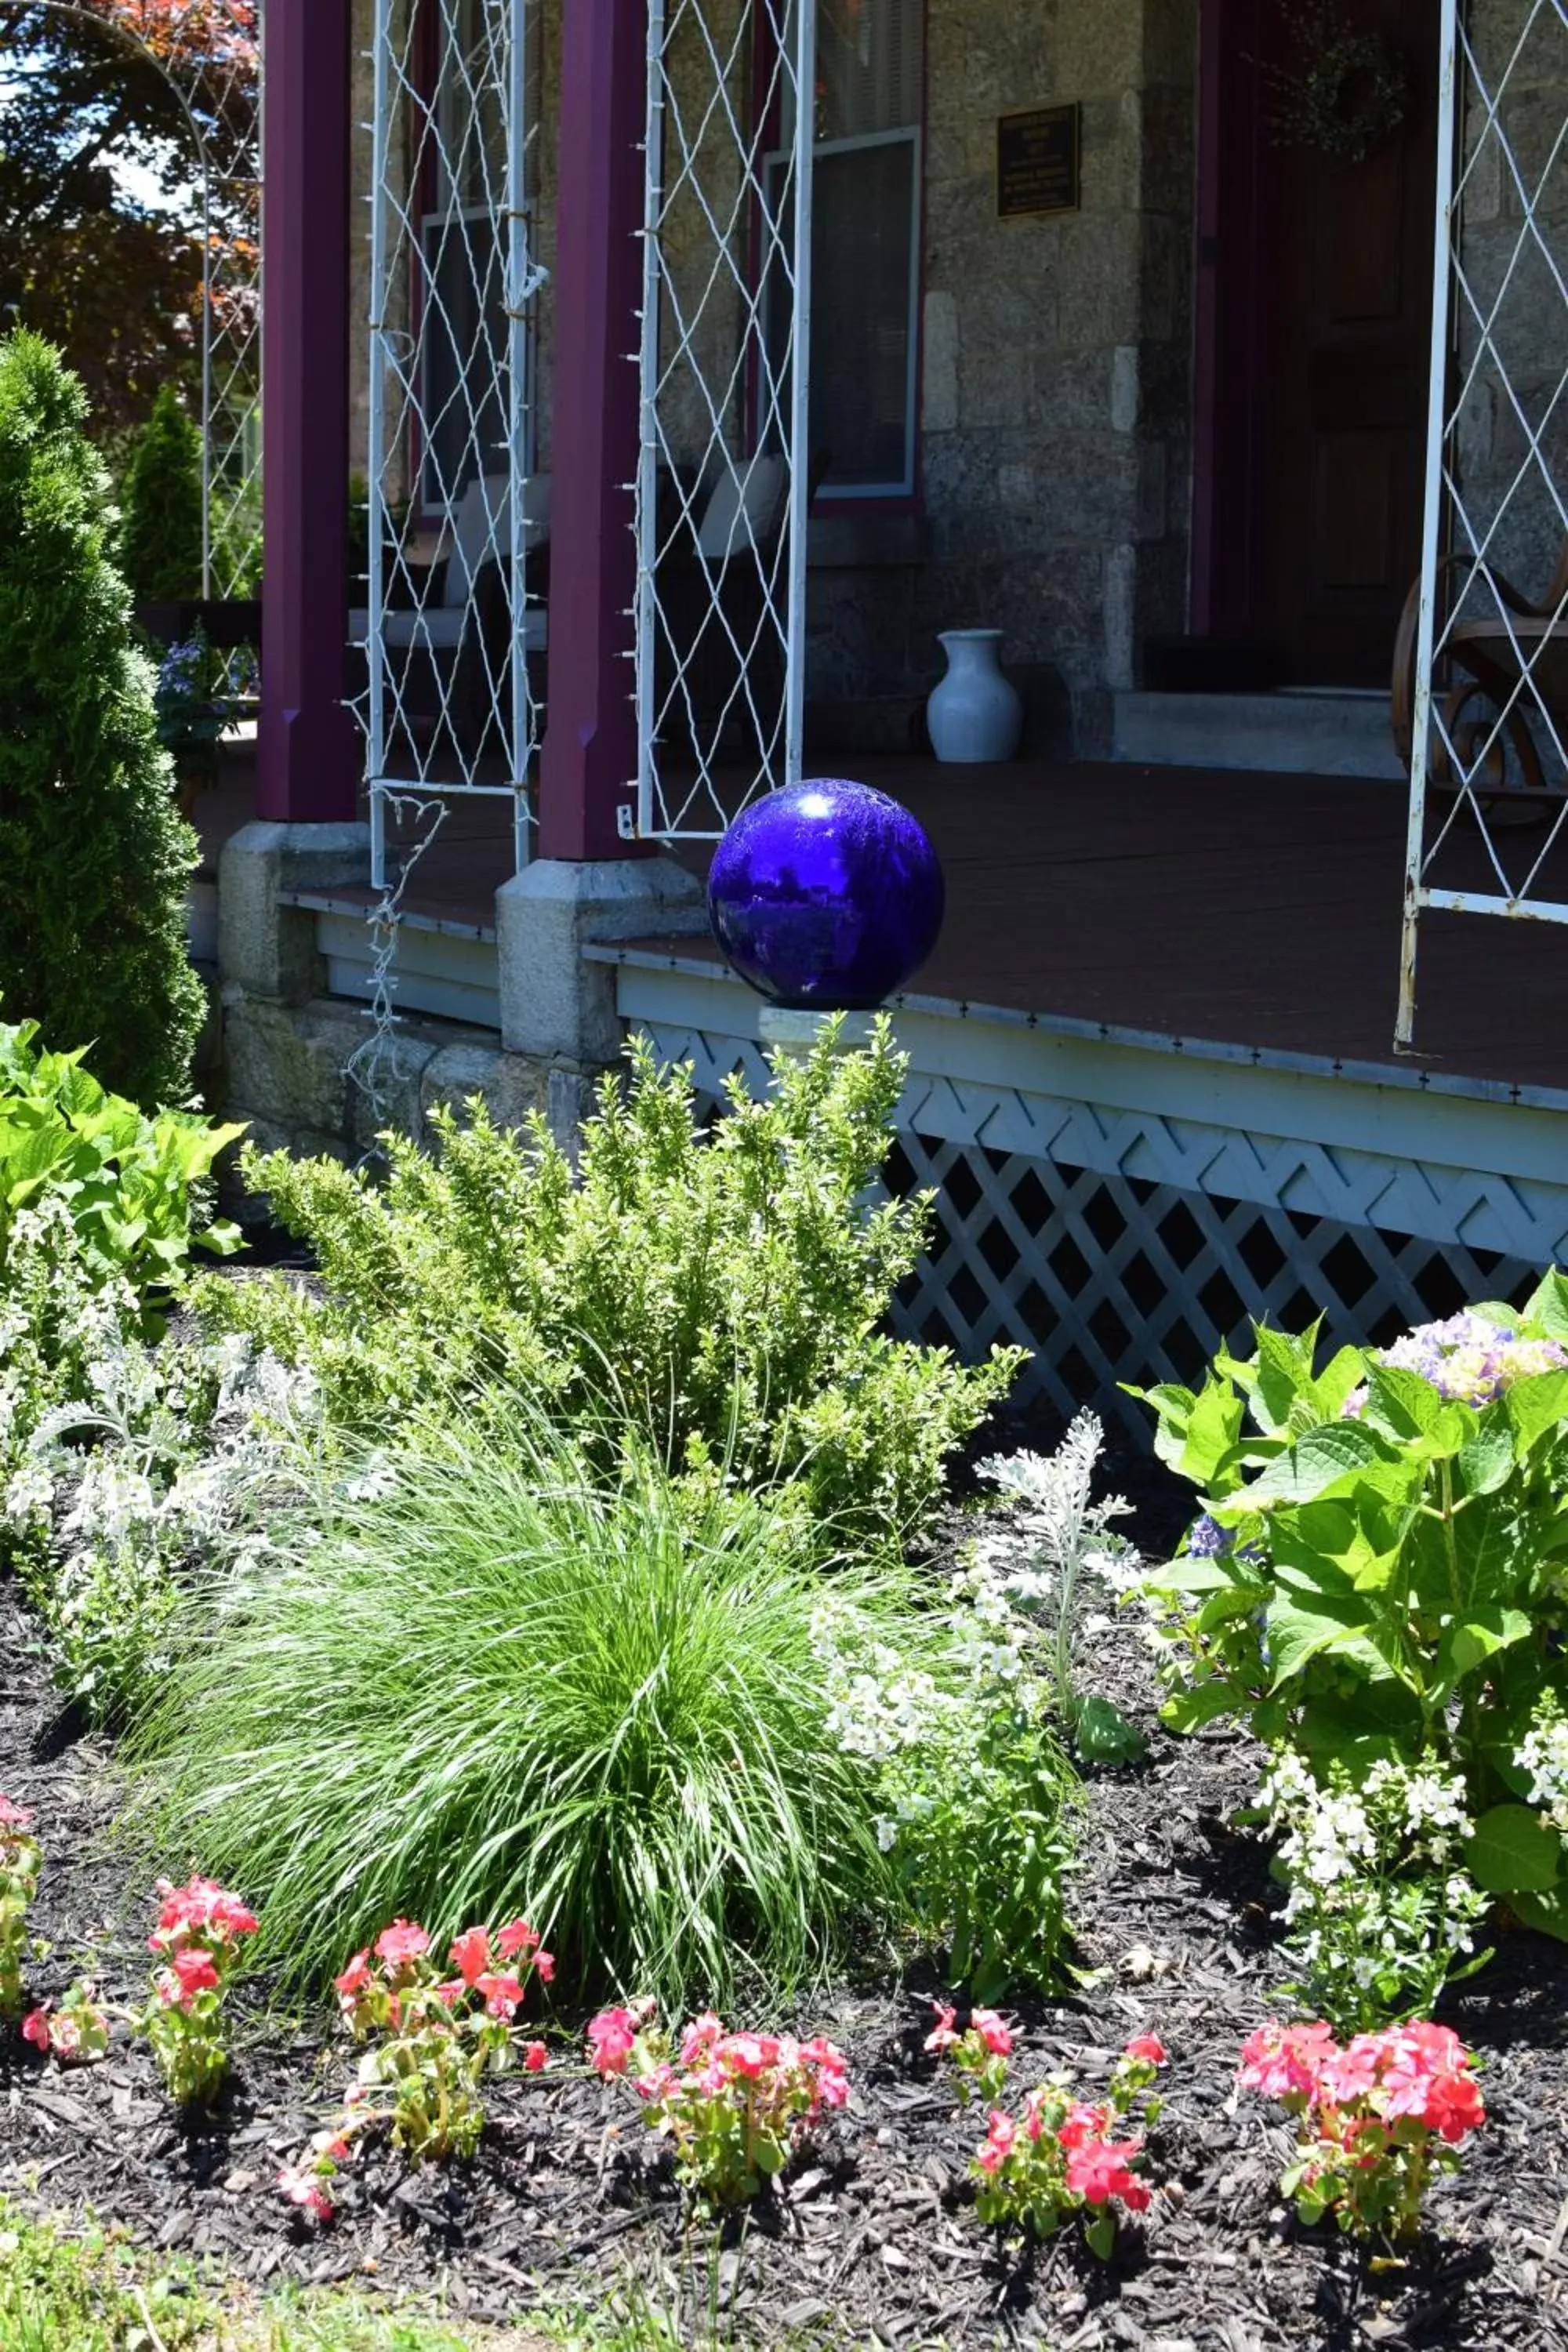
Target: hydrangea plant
(1379, 1568)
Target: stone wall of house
(1055, 372)
(1055, 353)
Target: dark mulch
(875, 2239)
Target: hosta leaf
(1189, 1710)
(1513, 1851)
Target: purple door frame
(589, 763)
(308, 759)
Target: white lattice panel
(1129, 1245)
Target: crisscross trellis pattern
(724, 477)
(1128, 1245)
(1491, 655)
(457, 518)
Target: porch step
(1299, 730)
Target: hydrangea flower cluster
(196, 1941)
(1379, 1909)
(1375, 2120)
(734, 2106)
(1542, 1754)
(1058, 2155)
(21, 1858)
(434, 2031)
(1467, 1359)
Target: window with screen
(864, 247)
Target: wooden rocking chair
(1481, 662)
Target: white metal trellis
(724, 476)
(208, 53)
(455, 509)
(1487, 730)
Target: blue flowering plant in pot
(1379, 1568)
(199, 695)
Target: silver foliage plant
(1062, 1534)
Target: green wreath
(1347, 90)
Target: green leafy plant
(1380, 1913)
(735, 2108)
(20, 1858)
(973, 1791)
(1380, 1567)
(1057, 2156)
(161, 528)
(137, 1186)
(1376, 2121)
(722, 1296)
(95, 859)
(469, 1672)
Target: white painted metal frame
(1454, 749)
(422, 622)
(703, 112)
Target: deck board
(1262, 911)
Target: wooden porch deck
(1260, 911)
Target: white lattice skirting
(1122, 1206)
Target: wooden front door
(1319, 311)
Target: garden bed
(874, 2240)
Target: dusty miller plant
(1062, 1534)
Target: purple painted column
(588, 768)
(308, 751)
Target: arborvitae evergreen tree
(161, 535)
(95, 859)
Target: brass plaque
(1037, 154)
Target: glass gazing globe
(826, 895)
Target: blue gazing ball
(826, 896)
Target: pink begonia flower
(1285, 2061)
(516, 1937)
(404, 1940)
(1097, 2171)
(1147, 2046)
(502, 1995)
(308, 2191)
(14, 1817)
(655, 2085)
(202, 1907)
(470, 1953)
(196, 1973)
(831, 2069)
(1000, 2137)
(65, 2036)
(993, 2030)
(544, 1967)
(945, 2032)
(750, 2055)
(700, 2037)
(353, 1981)
(1082, 2124)
(610, 2038)
(451, 1993)
(535, 2058)
(35, 2029)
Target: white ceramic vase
(975, 714)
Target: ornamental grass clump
(1380, 1567)
(735, 2108)
(1376, 2121)
(720, 1296)
(468, 1674)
